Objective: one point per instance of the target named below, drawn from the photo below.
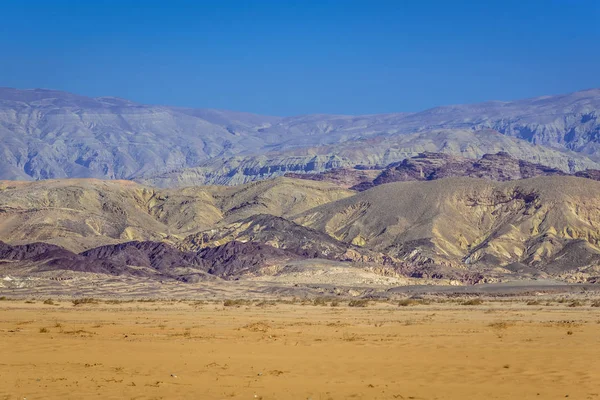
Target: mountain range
(47, 134)
(457, 195)
(452, 229)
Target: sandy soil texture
(195, 350)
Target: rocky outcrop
(430, 166)
(344, 177)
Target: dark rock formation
(431, 166)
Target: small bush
(575, 303)
(472, 302)
(3, 298)
(114, 302)
(320, 301)
(533, 303)
(85, 300)
(236, 303)
(44, 330)
(499, 325)
(358, 303)
(49, 302)
(596, 303)
(335, 303)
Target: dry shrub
(257, 327)
(85, 300)
(49, 302)
(472, 302)
(406, 302)
(236, 303)
(499, 325)
(358, 303)
(320, 301)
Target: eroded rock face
(431, 166)
(344, 177)
(473, 225)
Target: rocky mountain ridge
(453, 229)
(48, 134)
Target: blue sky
(298, 57)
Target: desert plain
(318, 349)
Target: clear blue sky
(295, 57)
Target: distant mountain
(51, 134)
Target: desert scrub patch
(533, 303)
(84, 300)
(596, 303)
(472, 302)
(412, 302)
(266, 303)
(499, 325)
(406, 302)
(114, 301)
(320, 301)
(257, 327)
(358, 303)
(236, 303)
(49, 302)
(44, 330)
(575, 303)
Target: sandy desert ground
(195, 350)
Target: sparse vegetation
(85, 300)
(533, 303)
(472, 302)
(320, 301)
(44, 330)
(499, 325)
(596, 303)
(575, 303)
(236, 303)
(49, 302)
(115, 302)
(358, 303)
(406, 302)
